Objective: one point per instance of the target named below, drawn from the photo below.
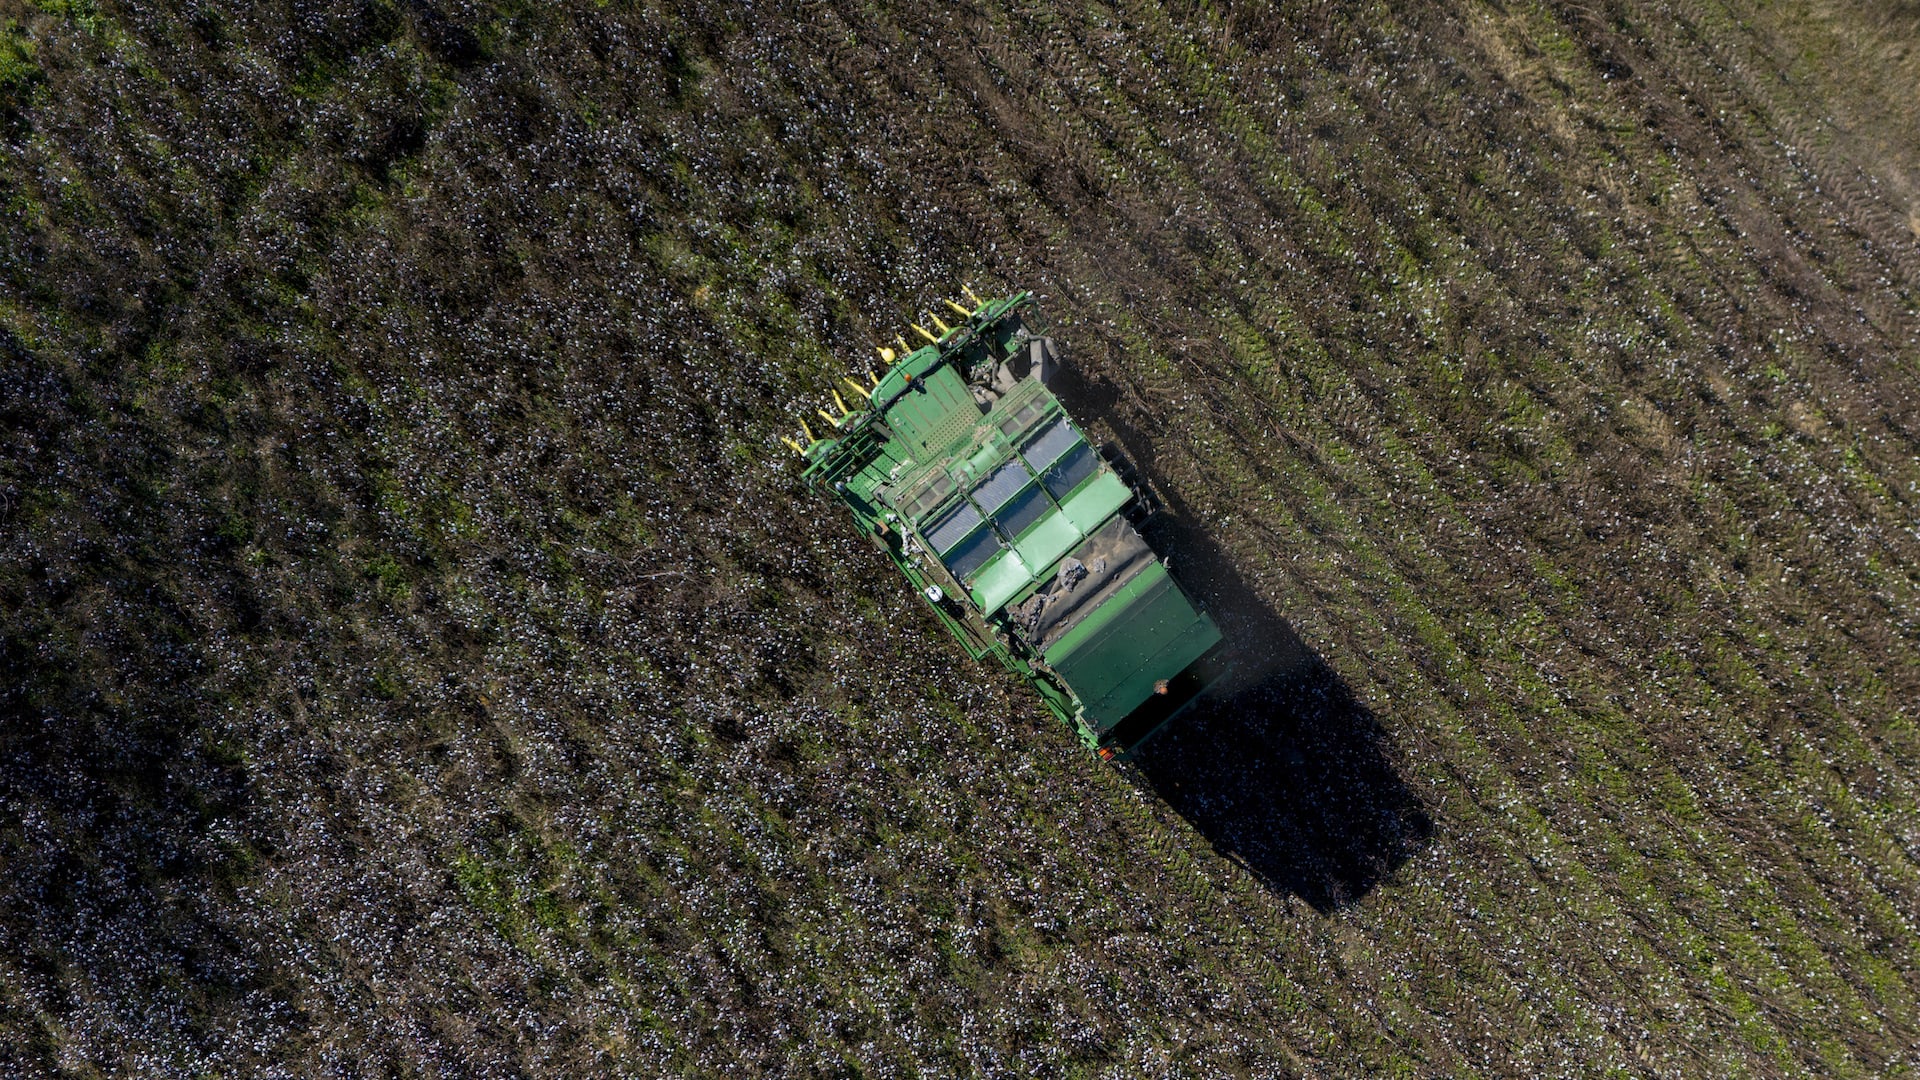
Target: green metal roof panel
(1176, 656)
(1180, 650)
(1112, 660)
(1147, 579)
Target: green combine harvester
(964, 468)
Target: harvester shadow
(1283, 769)
(1287, 774)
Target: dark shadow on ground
(1283, 769)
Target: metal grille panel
(1007, 480)
(949, 530)
(1074, 468)
(1045, 449)
(1024, 510)
(972, 553)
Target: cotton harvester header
(965, 469)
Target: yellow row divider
(888, 357)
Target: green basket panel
(1051, 537)
(1098, 500)
(1003, 576)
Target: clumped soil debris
(418, 657)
